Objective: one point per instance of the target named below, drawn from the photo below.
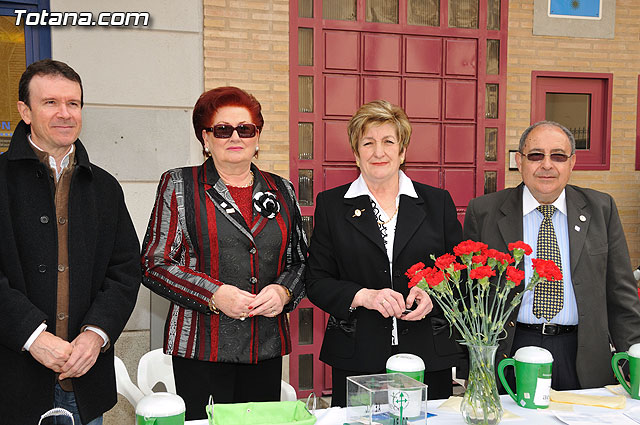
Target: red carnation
(469, 247)
(414, 269)
(515, 275)
(494, 253)
(546, 269)
(520, 245)
(444, 261)
(457, 267)
(434, 277)
(482, 272)
(505, 258)
(416, 279)
(479, 259)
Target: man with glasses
(69, 262)
(596, 300)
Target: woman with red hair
(225, 245)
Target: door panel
(425, 143)
(462, 57)
(430, 176)
(461, 185)
(423, 55)
(422, 98)
(336, 142)
(459, 144)
(339, 48)
(387, 88)
(349, 99)
(334, 177)
(460, 99)
(382, 52)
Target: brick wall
(619, 56)
(246, 44)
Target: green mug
(160, 409)
(633, 357)
(533, 377)
(407, 364)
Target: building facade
(472, 76)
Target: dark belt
(548, 328)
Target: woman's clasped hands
(390, 303)
(239, 304)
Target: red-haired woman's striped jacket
(198, 240)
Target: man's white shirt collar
(52, 161)
(529, 203)
(359, 187)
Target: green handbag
(260, 413)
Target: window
(12, 53)
(582, 103)
(20, 45)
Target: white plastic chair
(457, 380)
(287, 392)
(155, 367)
(124, 385)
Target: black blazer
(601, 273)
(347, 253)
(104, 277)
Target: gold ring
(383, 301)
(273, 311)
(423, 317)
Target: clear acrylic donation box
(386, 399)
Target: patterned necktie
(548, 296)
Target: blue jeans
(67, 400)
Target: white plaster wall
(140, 85)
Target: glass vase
(481, 401)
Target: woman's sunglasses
(539, 156)
(224, 131)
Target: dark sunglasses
(539, 156)
(224, 131)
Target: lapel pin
(577, 228)
(223, 205)
(583, 218)
(230, 210)
(357, 213)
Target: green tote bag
(260, 413)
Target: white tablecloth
(337, 416)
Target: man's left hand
(86, 348)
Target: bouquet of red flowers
(478, 307)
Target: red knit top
(243, 198)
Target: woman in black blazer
(366, 235)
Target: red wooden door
(448, 80)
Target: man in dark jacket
(69, 271)
(595, 302)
